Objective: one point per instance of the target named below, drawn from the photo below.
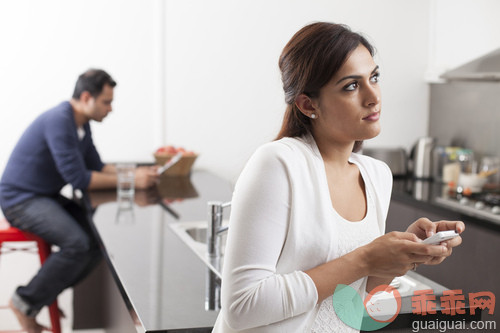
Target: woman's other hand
(423, 228)
(395, 253)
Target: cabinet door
(472, 267)
(400, 216)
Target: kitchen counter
(160, 279)
(162, 282)
(425, 195)
(473, 266)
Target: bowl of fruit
(184, 160)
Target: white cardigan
(282, 223)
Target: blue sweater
(48, 156)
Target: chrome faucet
(215, 228)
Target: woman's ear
(306, 105)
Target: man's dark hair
(93, 81)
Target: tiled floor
(17, 268)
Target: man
(55, 150)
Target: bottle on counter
(446, 166)
(467, 161)
(490, 167)
(450, 162)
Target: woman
(308, 213)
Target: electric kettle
(421, 158)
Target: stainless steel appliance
(485, 68)
(482, 205)
(421, 158)
(395, 158)
(464, 106)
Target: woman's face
(348, 107)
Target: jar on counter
(490, 165)
(466, 159)
(449, 162)
(446, 166)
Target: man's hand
(146, 176)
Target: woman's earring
(313, 116)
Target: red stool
(11, 234)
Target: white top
(282, 223)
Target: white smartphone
(441, 236)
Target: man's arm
(145, 177)
(109, 168)
(104, 179)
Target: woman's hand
(424, 228)
(395, 253)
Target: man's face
(99, 107)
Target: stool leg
(43, 250)
(55, 318)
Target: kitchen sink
(198, 234)
(194, 235)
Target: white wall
(204, 75)
(46, 44)
(223, 87)
(462, 30)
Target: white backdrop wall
(204, 75)
(461, 31)
(223, 88)
(46, 44)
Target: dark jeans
(63, 223)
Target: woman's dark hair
(308, 62)
(93, 81)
